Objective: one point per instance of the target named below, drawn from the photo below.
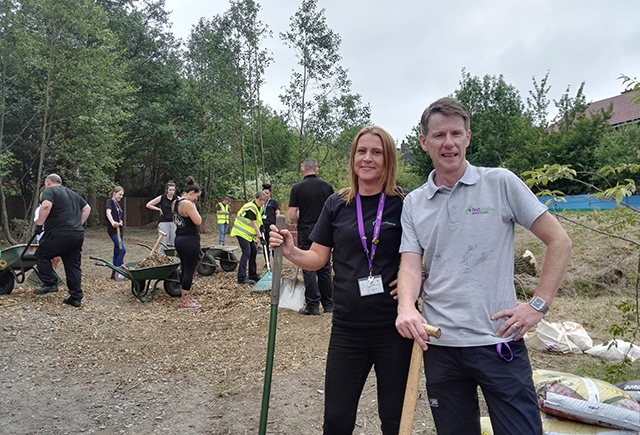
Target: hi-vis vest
(242, 226)
(223, 218)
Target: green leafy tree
(66, 94)
(318, 99)
(573, 141)
(151, 56)
(499, 123)
(211, 75)
(632, 84)
(244, 34)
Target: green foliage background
(102, 93)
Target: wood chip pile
(154, 260)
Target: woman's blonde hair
(115, 190)
(390, 164)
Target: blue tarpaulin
(586, 202)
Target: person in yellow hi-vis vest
(223, 211)
(246, 228)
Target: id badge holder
(371, 285)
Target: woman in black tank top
(187, 220)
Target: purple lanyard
(507, 357)
(376, 229)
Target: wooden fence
(135, 212)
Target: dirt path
(119, 366)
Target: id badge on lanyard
(371, 285)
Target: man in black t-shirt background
(64, 212)
(270, 211)
(305, 204)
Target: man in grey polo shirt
(462, 222)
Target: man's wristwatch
(539, 304)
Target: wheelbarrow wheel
(207, 266)
(6, 283)
(172, 285)
(229, 264)
(142, 287)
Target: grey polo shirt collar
(469, 177)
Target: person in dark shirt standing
(270, 211)
(360, 228)
(305, 204)
(188, 220)
(163, 204)
(115, 224)
(64, 212)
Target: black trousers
(352, 354)
(453, 375)
(248, 258)
(68, 246)
(188, 249)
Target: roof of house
(624, 111)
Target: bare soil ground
(120, 366)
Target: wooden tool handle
(413, 380)
(119, 239)
(162, 234)
(432, 331)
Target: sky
(404, 54)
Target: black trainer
(309, 311)
(72, 302)
(247, 281)
(46, 289)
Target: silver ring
(515, 324)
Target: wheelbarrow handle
(26, 248)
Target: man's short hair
(54, 178)
(446, 106)
(266, 186)
(310, 164)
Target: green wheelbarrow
(15, 262)
(144, 281)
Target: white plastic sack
(616, 352)
(565, 337)
(632, 388)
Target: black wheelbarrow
(144, 281)
(217, 255)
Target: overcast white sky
(404, 54)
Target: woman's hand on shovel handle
(282, 238)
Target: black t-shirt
(116, 215)
(269, 212)
(337, 228)
(66, 209)
(309, 196)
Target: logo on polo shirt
(472, 209)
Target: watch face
(539, 304)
